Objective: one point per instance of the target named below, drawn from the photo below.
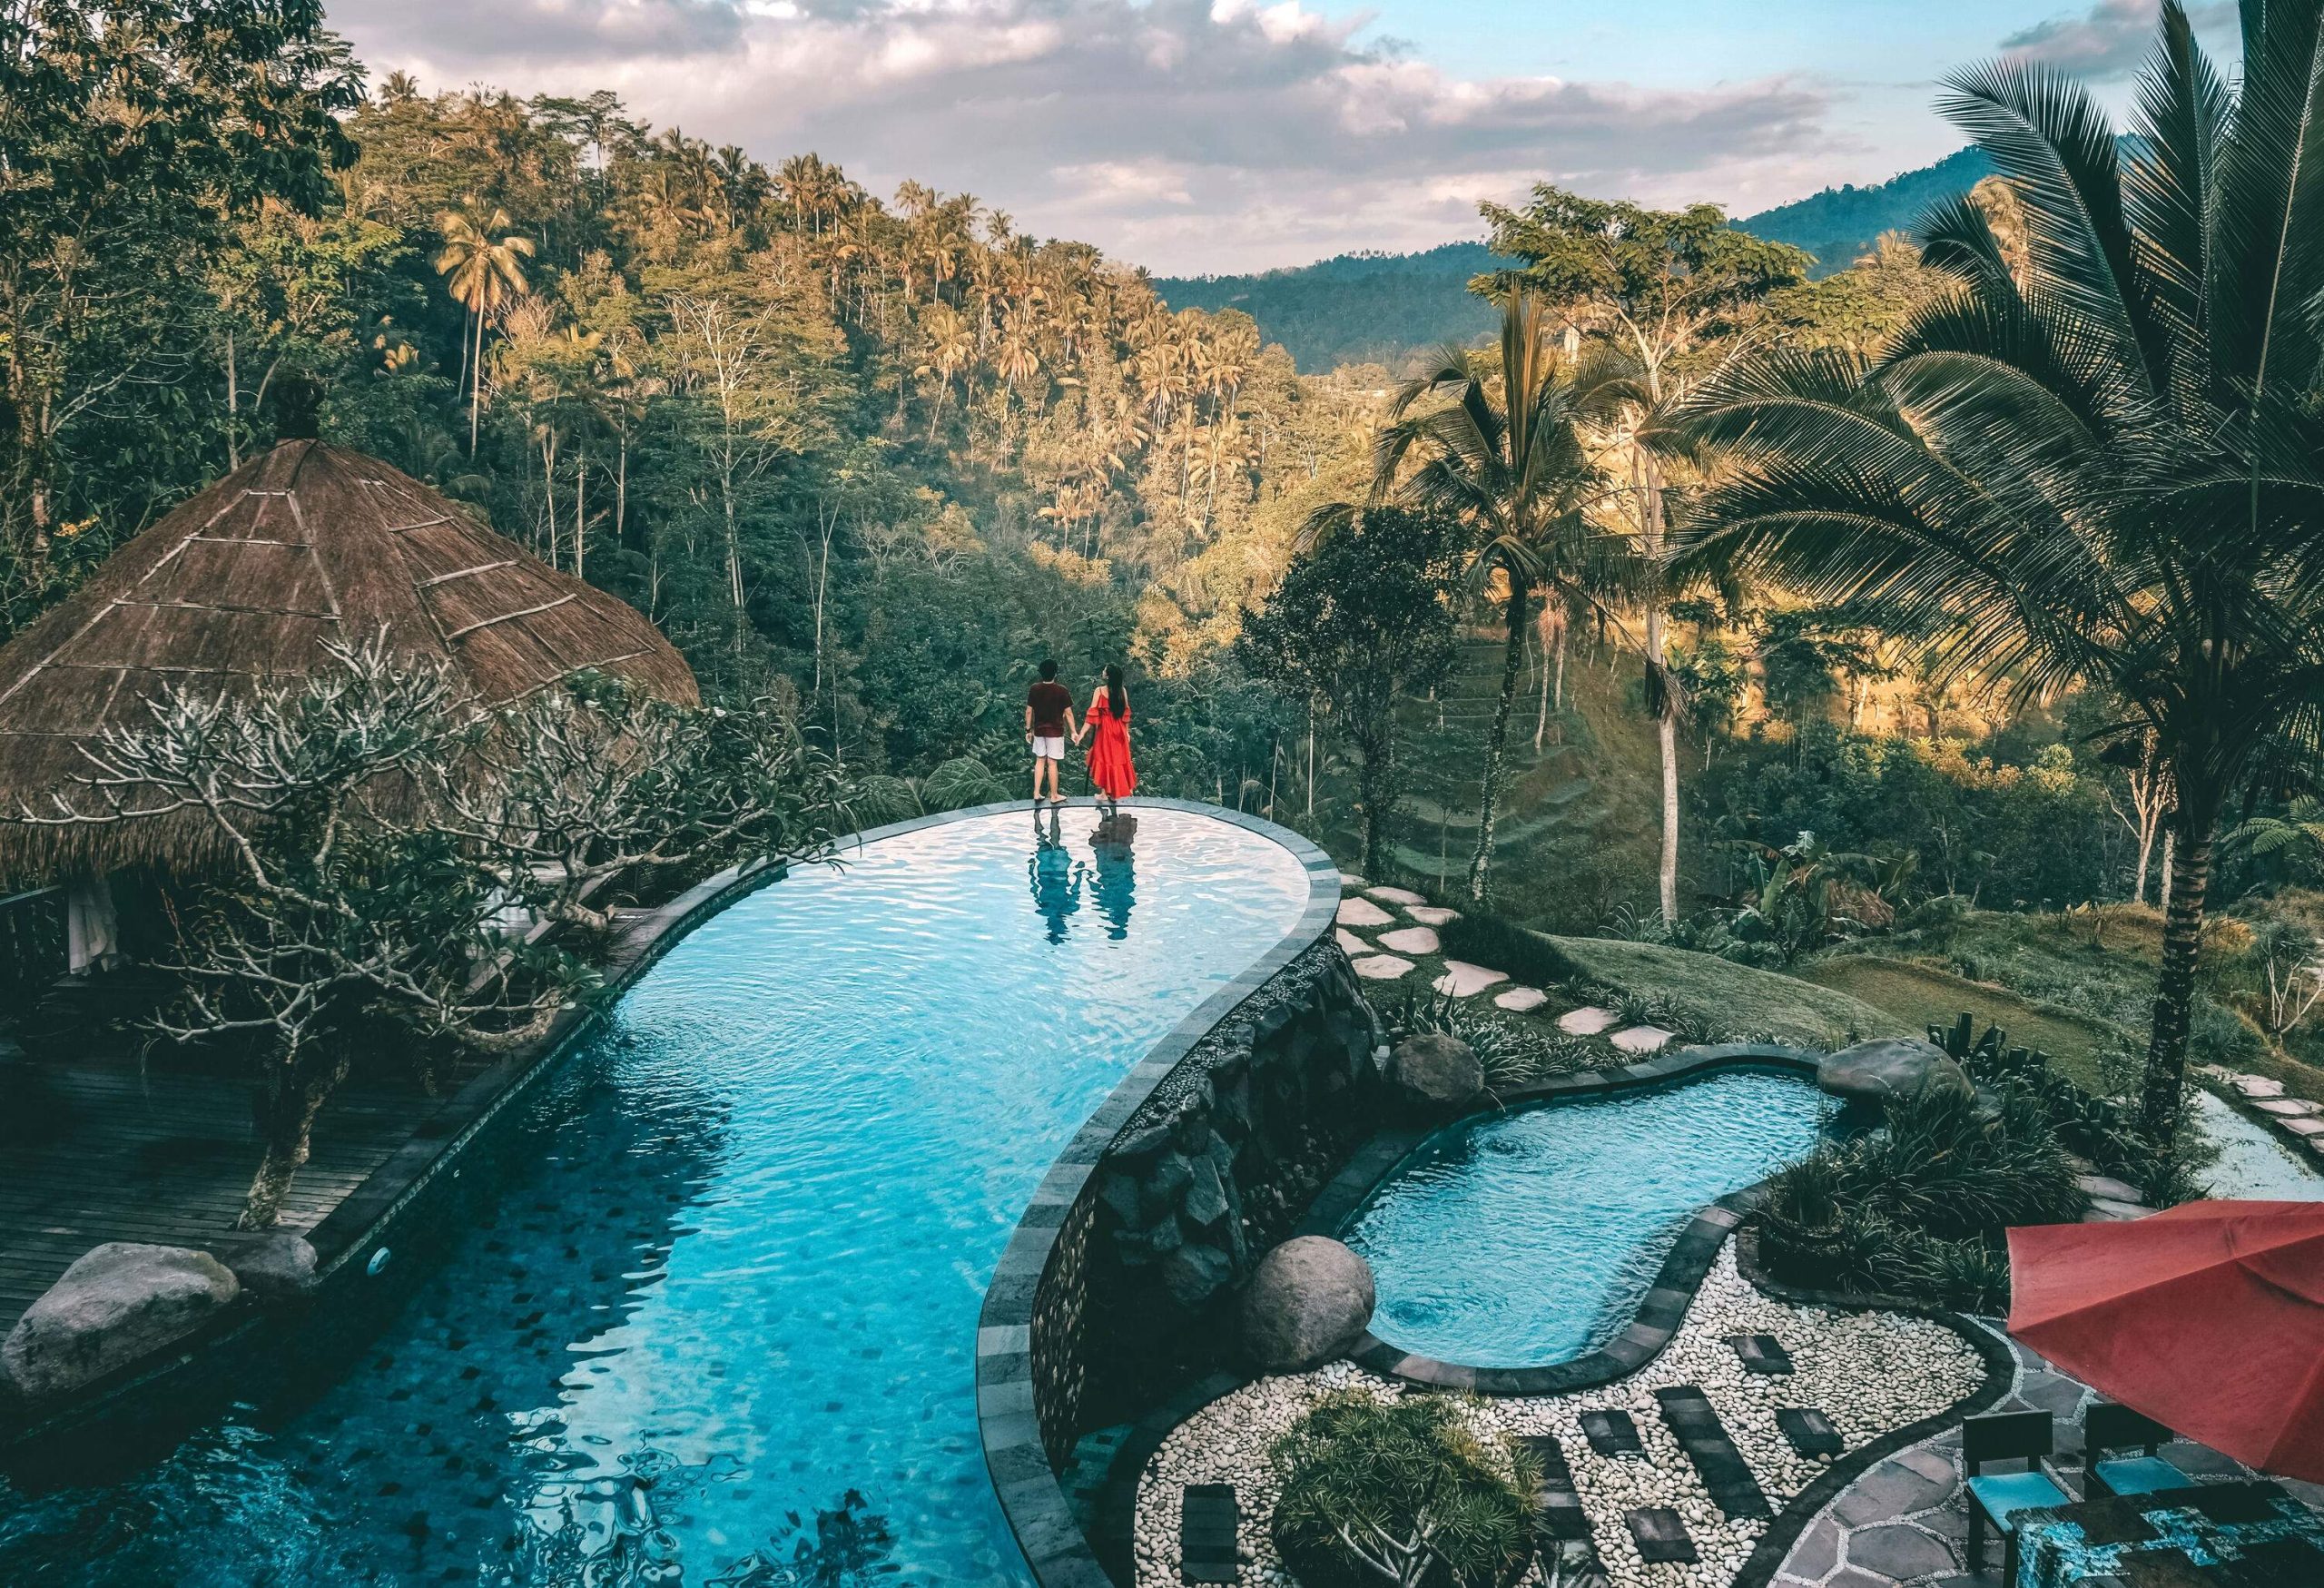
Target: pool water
(1527, 1238)
(719, 1325)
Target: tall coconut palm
(1501, 448)
(484, 270)
(2105, 467)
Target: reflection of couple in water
(1111, 876)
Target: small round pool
(1527, 1239)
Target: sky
(1223, 135)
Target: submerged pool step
(1725, 1473)
(1207, 1516)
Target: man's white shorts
(1049, 749)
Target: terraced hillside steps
(1580, 796)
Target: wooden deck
(166, 1158)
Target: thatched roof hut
(306, 543)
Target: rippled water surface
(1515, 1240)
(718, 1325)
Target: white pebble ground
(1868, 1372)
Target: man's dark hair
(1049, 670)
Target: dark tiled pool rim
(1659, 1314)
(1014, 1451)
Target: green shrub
(959, 782)
(1415, 1486)
(1921, 1207)
(1511, 1054)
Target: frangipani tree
(2105, 468)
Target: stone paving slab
(1432, 914)
(2257, 1086)
(1586, 1020)
(1397, 895)
(1363, 913)
(1902, 1524)
(1641, 1038)
(1381, 967)
(1349, 943)
(1463, 979)
(1410, 939)
(1520, 1000)
(1349, 880)
(2287, 1108)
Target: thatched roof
(245, 582)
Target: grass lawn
(1735, 997)
(1922, 995)
(1718, 994)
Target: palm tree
(2102, 469)
(484, 274)
(1504, 452)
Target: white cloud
(2111, 39)
(1184, 134)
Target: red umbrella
(2208, 1317)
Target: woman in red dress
(1107, 727)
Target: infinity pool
(1523, 1239)
(718, 1325)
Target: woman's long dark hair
(1117, 697)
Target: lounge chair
(1996, 1499)
(2107, 1426)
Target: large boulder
(1867, 1075)
(1438, 1070)
(270, 1265)
(1307, 1302)
(118, 1303)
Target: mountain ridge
(1368, 307)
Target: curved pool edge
(234, 1343)
(1015, 1451)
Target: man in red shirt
(1049, 723)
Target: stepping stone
(2307, 1127)
(1519, 1000)
(1410, 939)
(1641, 1038)
(1761, 1354)
(1350, 943)
(1660, 1534)
(1349, 880)
(2112, 1190)
(1397, 895)
(1610, 1432)
(2107, 1210)
(2286, 1108)
(1557, 1515)
(1586, 1021)
(1381, 967)
(1725, 1473)
(2257, 1086)
(1432, 914)
(1208, 1515)
(1363, 913)
(1811, 1432)
(1463, 979)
